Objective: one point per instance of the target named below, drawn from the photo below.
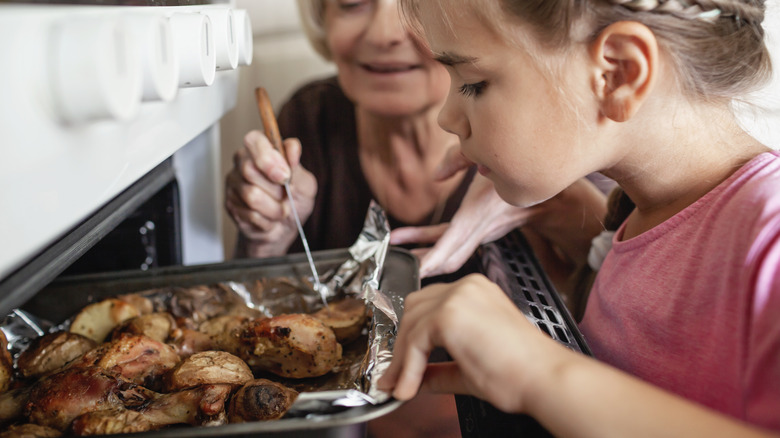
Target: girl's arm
(503, 359)
(581, 397)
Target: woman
(369, 133)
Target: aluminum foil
(350, 386)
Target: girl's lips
(484, 171)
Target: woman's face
(379, 66)
(531, 134)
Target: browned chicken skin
(200, 303)
(57, 399)
(223, 331)
(138, 359)
(295, 345)
(6, 364)
(12, 404)
(200, 406)
(51, 352)
(260, 400)
(187, 342)
(30, 431)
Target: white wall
(763, 119)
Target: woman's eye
(472, 90)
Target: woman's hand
(481, 218)
(560, 229)
(256, 199)
(488, 338)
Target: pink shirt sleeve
(762, 372)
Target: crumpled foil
(352, 385)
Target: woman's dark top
(321, 116)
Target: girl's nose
(385, 28)
(453, 120)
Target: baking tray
(511, 263)
(65, 296)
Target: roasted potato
(346, 317)
(96, 320)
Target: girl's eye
(346, 5)
(473, 90)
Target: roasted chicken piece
(187, 342)
(200, 303)
(295, 345)
(30, 431)
(346, 317)
(200, 406)
(157, 326)
(260, 400)
(51, 352)
(138, 359)
(57, 399)
(110, 421)
(6, 364)
(223, 331)
(12, 404)
(96, 320)
(208, 367)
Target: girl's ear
(625, 60)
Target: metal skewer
(272, 132)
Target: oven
(110, 134)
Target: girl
(684, 313)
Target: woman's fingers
(454, 161)
(292, 146)
(268, 160)
(429, 234)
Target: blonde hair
(717, 46)
(312, 13)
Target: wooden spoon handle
(269, 120)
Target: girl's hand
(256, 199)
(488, 338)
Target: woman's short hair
(312, 13)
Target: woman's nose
(453, 120)
(385, 28)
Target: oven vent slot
(530, 289)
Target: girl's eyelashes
(472, 90)
(347, 5)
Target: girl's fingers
(418, 335)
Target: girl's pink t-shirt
(693, 305)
